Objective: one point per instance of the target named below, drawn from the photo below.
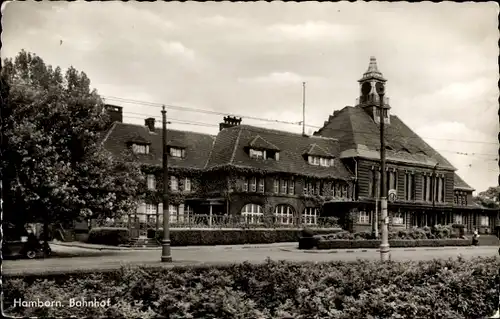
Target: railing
(144, 222)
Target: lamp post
(384, 246)
(165, 243)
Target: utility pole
(303, 108)
(165, 243)
(384, 246)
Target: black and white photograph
(257, 160)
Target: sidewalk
(364, 250)
(224, 247)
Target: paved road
(95, 259)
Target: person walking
(475, 238)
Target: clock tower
(372, 86)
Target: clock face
(380, 88)
(366, 88)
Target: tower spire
(373, 72)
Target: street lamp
(165, 243)
(384, 245)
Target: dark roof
(316, 150)
(359, 136)
(259, 143)
(461, 184)
(197, 145)
(230, 149)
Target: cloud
(178, 49)
(472, 152)
(221, 21)
(314, 30)
(280, 78)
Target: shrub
(454, 288)
(109, 236)
(201, 237)
(357, 244)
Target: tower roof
(372, 72)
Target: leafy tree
(54, 168)
(490, 198)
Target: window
(391, 180)
(371, 184)
(272, 155)
(345, 191)
(310, 216)
(261, 185)
(313, 160)
(252, 213)
(188, 212)
(458, 219)
(276, 185)
(426, 184)
(443, 188)
(174, 183)
(176, 152)
(374, 185)
(175, 214)
(151, 182)
(321, 161)
(284, 214)
(363, 217)
(253, 184)
(397, 219)
(291, 187)
(151, 209)
(284, 186)
(409, 186)
(256, 154)
(245, 185)
(484, 221)
(187, 184)
(318, 188)
(140, 148)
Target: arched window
(283, 214)
(252, 213)
(310, 216)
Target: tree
(490, 198)
(54, 168)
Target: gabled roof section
(137, 139)
(359, 136)
(316, 150)
(259, 143)
(460, 184)
(231, 143)
(198, 145)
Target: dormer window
(140, 148)
(177, 152)
(259, 154)
(264, 154)
(320, 161)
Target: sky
(250, 59)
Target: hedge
(435, 232)
(344, 244)
(113, 236)
(453, 288)
(200, 237)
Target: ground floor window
(252, 213)
(284, 214)
(484, 221)
(364, 217)
(176, 214)
(458, 219)
(310, 216)
(398, 218)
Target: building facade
(252, 175)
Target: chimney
(229, 121)
(150, 123)
(115, 113)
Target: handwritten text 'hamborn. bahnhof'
(72, 303)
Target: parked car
(23, 244)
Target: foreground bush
(363, 289)
(344, 244)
